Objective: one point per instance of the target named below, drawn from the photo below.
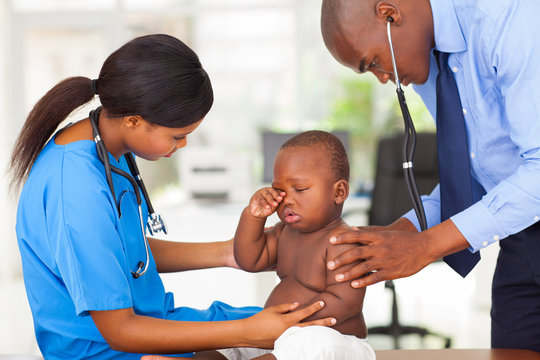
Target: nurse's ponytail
(157, 77)
(53, 108)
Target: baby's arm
(341, 299)
(254, 248)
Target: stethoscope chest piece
(156, 224)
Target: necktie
(456, 183)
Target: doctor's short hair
(337, 155)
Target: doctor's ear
(388, 12)
(341, 191)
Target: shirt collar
(447, 30)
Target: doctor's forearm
(444, 239)
(171, 256)
(402, 224)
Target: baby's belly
(289, 291)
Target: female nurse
(80, 244)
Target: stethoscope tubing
(137, 175)
(409, 142)
(155, 222)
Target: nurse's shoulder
(81, 130)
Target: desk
(458, 354)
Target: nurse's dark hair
(156, 76)
(337, 155)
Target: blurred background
(271, 74)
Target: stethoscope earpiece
(390, 19)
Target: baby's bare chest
(303, 262)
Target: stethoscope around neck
(155, 222)
(409, 142)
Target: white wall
(16, 331)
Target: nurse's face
(361, 42)
(152, 142)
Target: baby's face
(304, 174)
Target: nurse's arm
(172, 256)
(128, 332)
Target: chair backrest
(390, 198)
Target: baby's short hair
(339, 162)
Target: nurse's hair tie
(94, 87)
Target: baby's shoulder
(337, 249)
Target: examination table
(458, 354)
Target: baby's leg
(208, 355)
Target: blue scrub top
(78, 254)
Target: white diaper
(320, 343)
(243, 353)
(309, 343)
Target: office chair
(390, 199)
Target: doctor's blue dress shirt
(77, 254)
(494, 48)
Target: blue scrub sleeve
(218, 311)
(88, 250)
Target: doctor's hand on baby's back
(276, 320)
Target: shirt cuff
(479, 227)
(431, 209)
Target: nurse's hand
(263, 328)
(266, 326)
(394, 251)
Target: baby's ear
(341, 191)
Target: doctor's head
(355, 33)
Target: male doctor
(476, 65)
